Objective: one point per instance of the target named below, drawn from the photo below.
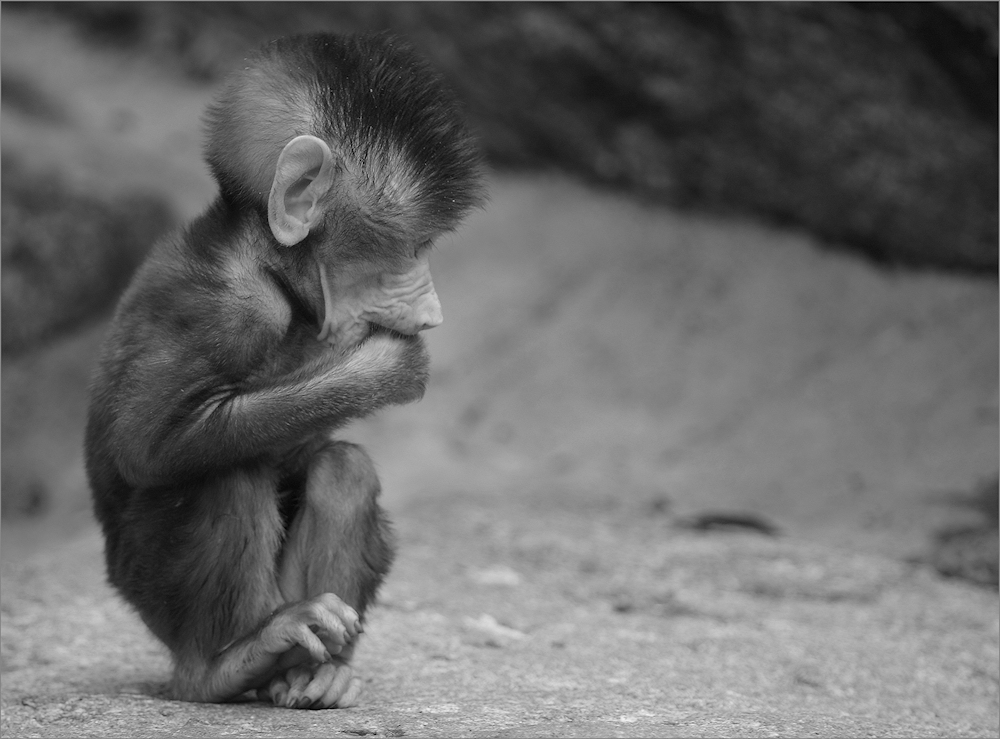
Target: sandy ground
(606, 373)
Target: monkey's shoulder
(198, 291)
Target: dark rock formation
(66, 255)
(872, 125)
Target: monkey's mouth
(374, 329)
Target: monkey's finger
(347, 616)
(331, 633)
(325, 616)
(289, 632)
(298, 678)
(330, 630)
(304, 637)
(321, 681)
(333, 646)
(339, 686)
(276, 691)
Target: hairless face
(357, 299)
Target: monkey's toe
(327, 685)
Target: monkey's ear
(303, 175)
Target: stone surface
(723, 635)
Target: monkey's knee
(343, 476)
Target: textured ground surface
(531, 620)
(606, 374)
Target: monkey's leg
(222, 609)
(340, 543)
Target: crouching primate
(248, 539)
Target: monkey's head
(354, 151)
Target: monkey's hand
(393, 367)
(326, 685)
(313, 629)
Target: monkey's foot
(325, 685)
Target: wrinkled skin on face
(401, 299)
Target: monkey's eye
(422, 247)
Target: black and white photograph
(499, 369)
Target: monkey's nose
(429, 312)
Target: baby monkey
(248, 539)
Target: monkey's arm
(162, 439)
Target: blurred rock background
(870, 126)
(66, 254)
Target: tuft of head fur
(379, 106)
